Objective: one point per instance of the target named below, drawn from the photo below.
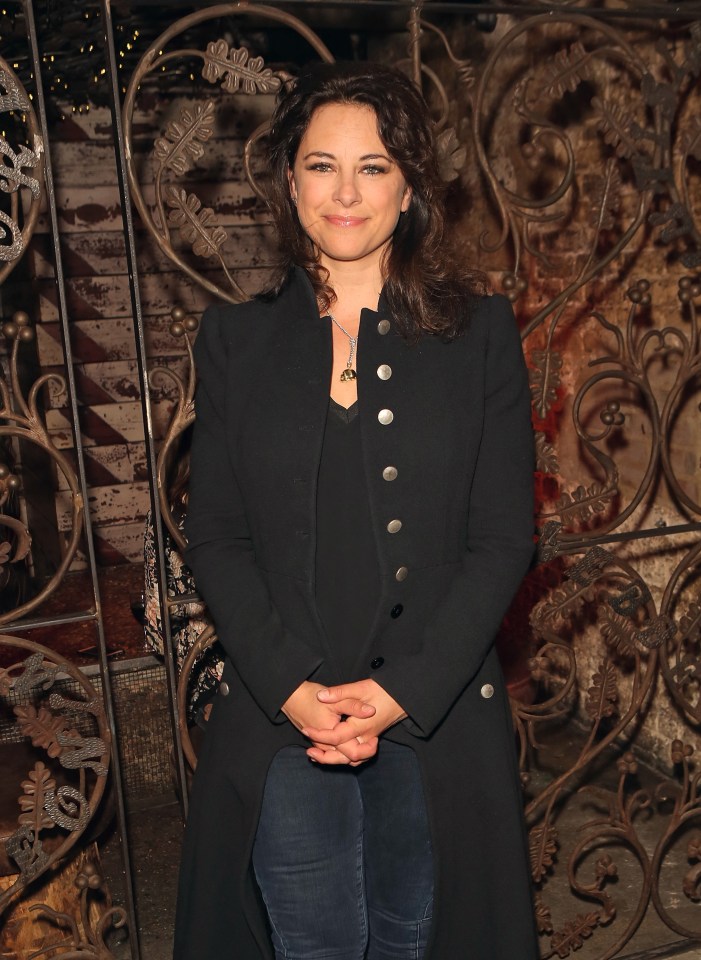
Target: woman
(360, 518)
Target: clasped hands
(344, 723)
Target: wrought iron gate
(570, 133)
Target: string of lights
(73, 58)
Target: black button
(396, 611)
(377, 663)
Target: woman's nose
(346, 190)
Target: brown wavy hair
(428, 289)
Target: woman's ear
(406, 199)
(292, 184)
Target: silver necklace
(349, 373)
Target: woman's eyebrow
(330, 156)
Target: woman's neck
(355, 287)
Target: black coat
(455, 464)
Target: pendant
(349, 374)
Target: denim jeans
(342, 856)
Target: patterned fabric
(187, 621)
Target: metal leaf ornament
(584, 502)
(617, 631)
(569, 68)
(35, 790)
(181, 144)
(42, 726)
(602, 696)
(451, 154)
(546, 457)
(559, 604)
(574, 933)
(543, 845)
(545, 379)
(543, 915)
(615, 127)
(194, 222)
(242, 73)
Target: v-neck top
(347, 567)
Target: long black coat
(455, 465)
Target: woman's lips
(345, 221)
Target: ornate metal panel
(44, 697)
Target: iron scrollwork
(641, 634)
(84, 936)
(49, 720)
(182, 143)
(13, 178)
(14, 171)
(22, 419)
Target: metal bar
(679, 948)
(415, 42)
(33, 623)
(62, 307)
(690, 11)
(141, 359)
(574, 546)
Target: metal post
(141, 359)
(90, 547)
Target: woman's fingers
(354, 708)
(346, 691)
(359, 750)
(352, 752)
(341, 733)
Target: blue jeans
(342, 856)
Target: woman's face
(348, 190)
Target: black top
(347, 569)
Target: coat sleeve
(270, 660)
(499, 547)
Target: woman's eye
(320, 167)
(374, 170)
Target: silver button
(401, 574)
(385, 417)
(487, 691)
(384, 371)
(394, 526)
(389, 473)
(383, 327)
(224, 688)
